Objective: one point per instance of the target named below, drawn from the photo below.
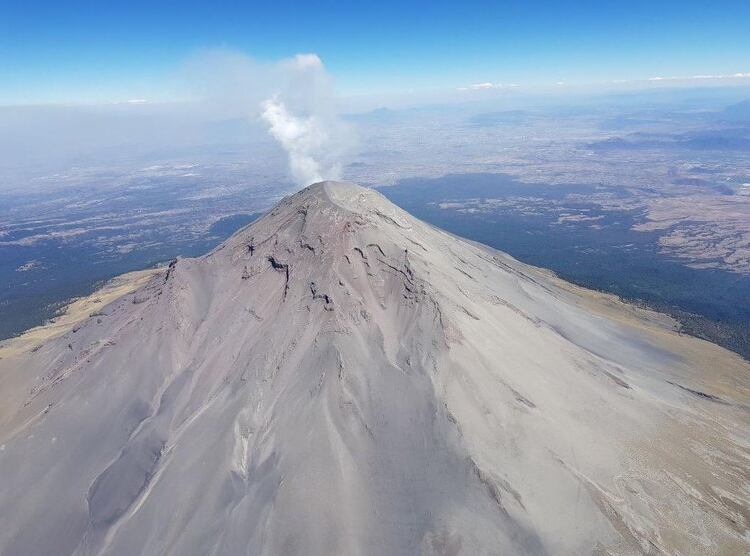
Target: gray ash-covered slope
(341, 378)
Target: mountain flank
(339, 377)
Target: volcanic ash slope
(340, 378)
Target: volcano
(340, 378)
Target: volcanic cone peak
(341, 378)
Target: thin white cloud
(480, 86)
(488, 85)
(485, 86)
(700, 77)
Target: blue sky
(65, 51)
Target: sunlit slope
(342, 378)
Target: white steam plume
(294, 100)
(305, 140)
(301, 116)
